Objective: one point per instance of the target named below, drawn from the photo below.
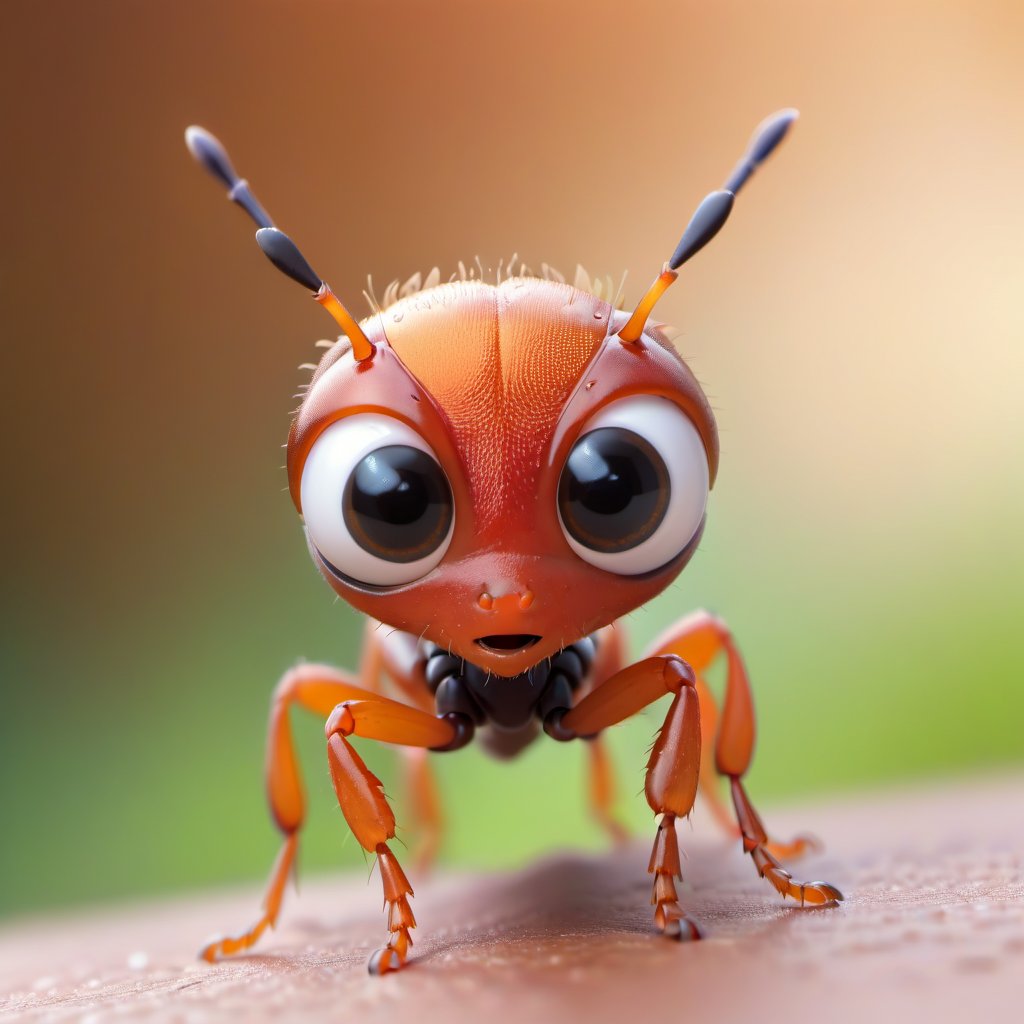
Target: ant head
(462, 489)
(501, 468)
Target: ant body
(499, 472)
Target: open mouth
(507, 643)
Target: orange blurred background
(857, 326)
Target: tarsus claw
(384, 961)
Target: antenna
(276, 245)
(710, 216)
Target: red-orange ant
(499, 472)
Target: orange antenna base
(362, 347)
(636, 323)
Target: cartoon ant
(499, 472)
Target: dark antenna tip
(285, 255)
(705, 223)
(208, 151)
(767, 136)
(769, 133)
(710, 216)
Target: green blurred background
(857, 326)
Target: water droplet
(138, 961)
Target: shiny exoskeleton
(512, 706)
(495, 472)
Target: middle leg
(672, 770)
(423, 805)
(601, 791)
(710, 783)
(611, 657)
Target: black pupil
(397, 504)
(614, 490)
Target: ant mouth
(507, 643)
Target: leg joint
(677, 673)
(556, 728)
(554, 725)
(340, 722)
(463, 729)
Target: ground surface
(933, 928)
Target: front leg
(316, 688)
(701, 638)
(361, 797)
(673, 768)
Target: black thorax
(506, 703)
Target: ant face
(506, 476)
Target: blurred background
(857, 326)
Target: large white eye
(377, 505)
(634, 487)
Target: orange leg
(700, 638)
(710, 782)
(611, 656)
(601, 791)
(365, 807)
(317, 688)
(423, 806)
(672, 770)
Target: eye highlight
(377, 504)
(634, 487)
